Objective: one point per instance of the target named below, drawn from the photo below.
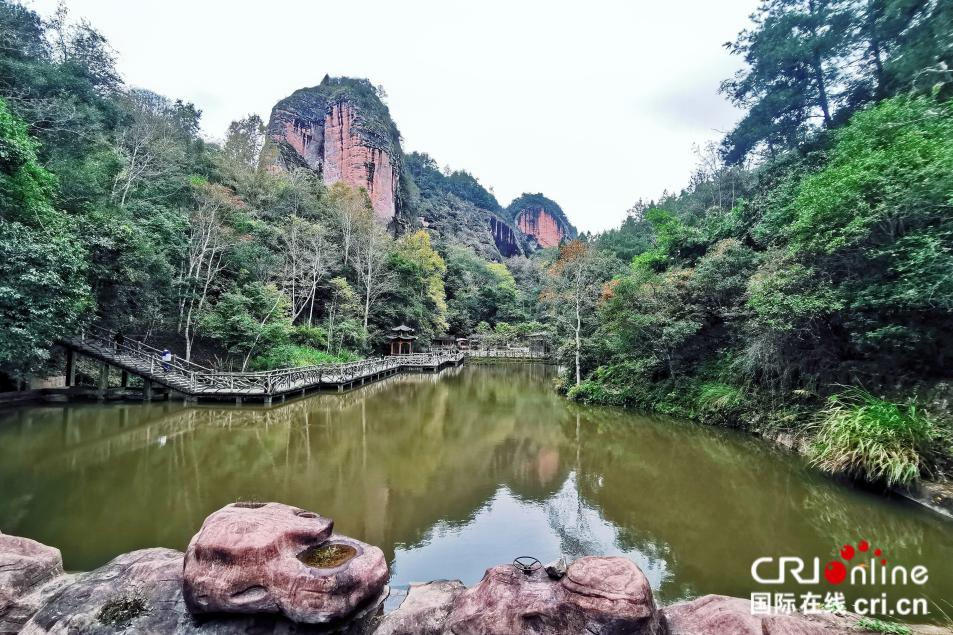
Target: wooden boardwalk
(514, 354)
(196, 381)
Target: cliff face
(343, 131)
(505, 238)
(541, 225)
(347, 158)
(541, 220)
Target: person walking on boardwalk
(118, 340)
(166, 359)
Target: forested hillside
(803, 281)
(115, 210)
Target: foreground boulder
(274, 558)
(26, 566)
(597, 595)
(141, 592)
(424, 611)
(718, 614)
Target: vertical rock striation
(341, 130)
(505, 238)
(348, 158)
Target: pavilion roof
(403, 328)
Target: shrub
(291, 355)
(312, 336)
(865, 437)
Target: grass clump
(327, 556)
(866, 437)
(718, 396)
(881, 626)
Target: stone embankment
(273, 568)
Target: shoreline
(936, 496)
(142, 591)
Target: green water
(451, 474)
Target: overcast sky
(593, 103)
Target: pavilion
(401, 340)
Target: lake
(450, 474)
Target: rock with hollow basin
(141, 592)
(275, 558)
(605, 595)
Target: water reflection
(448, 474)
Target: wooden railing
(508, 353)
(195, 379)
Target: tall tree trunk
(875, 48)
(822, 90)
(367, 304)
(578, 338)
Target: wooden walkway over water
(194, 381)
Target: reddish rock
(719, 614)
(25, 566)
(424, 611)
(597, 595)
(331, 135)
(141, 592)
(348, 159)
(544, 227)
(248, 558)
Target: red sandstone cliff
(541, 225)
(348, 159)
(323, 129)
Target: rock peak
(343, 131)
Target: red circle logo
(835, 572)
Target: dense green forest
(804, 279)
(115, 210)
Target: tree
(352, 213)
(150, 147)
(253, 318)
(421, 290)
(42, 288)
(344, 306)
(574, 285)
(203, 262)
(793, 75)
(369, 257)
(244, 141)
(305, 264)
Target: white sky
(594, 103)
